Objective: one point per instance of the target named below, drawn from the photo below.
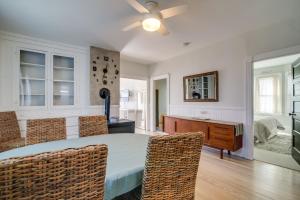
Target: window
(268, 94)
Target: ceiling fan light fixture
(151, 24)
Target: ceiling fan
(153, 17)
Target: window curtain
(268, 94)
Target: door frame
(152, 98)
(249, 118)
(144, 78)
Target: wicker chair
(10, 135)
(45, 130)
(171, 167)
(92, 125)
(67, 174)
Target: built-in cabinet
(63, 80)
(46, 79)
(32, 78)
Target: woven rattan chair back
(9, 127)
(92, 125)
(68, 174)
(171, 167)
(45, 130)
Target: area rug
(279, 144)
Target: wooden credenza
(218, 134)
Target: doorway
(273, 103)
(159, 102)
(133, 102)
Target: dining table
(125, 161)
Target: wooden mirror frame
(216, 99)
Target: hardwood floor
(239, 179)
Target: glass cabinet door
(63, 80)
(32, 80)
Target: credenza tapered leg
(221, 153)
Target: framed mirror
(201, 87)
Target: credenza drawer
(222, 130)
(221, 136)
(221, 142)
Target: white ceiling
(284, 60)
(99, 23)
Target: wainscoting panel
(71, 116)
(234, 114)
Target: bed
(271, 135)
(266, 128)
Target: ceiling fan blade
(139, 7)
(163, 30)
(132, 26)
(170, 12)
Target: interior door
(296, 111)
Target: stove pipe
(105, 94)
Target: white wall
(8, 81)
(229, 57)
(132, 84)
(131, 69)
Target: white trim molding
(22, 39)
(152, 98)
(248, 139)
